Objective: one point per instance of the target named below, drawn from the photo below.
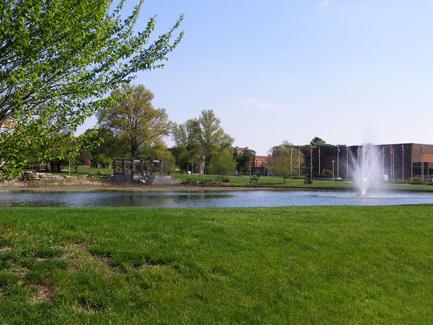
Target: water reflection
(208, 199)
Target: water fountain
(366, 168)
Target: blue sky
(348, 71)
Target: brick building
(260, 165)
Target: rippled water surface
(209, 199)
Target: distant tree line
(132, 128)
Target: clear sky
(348, 71)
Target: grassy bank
(331, 265)
(84, 170)
(276, 182)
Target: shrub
(415, 181)
(326, 173)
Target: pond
(205, 199)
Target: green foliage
(109, 148)
(68, 149)
(58, 61)
(326, 173)
(222, 163)
(187, 138)
(285, 161)
(244, 161)
(317, 142)
(166, 157)
(134, 120)
(213, 137)
(416, 181)
(199, 137)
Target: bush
(415, 181)
(198, 180)
(326, 173)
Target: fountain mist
(366, 168)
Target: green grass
(270, 181)
(83, 170)
(311, 265)
(244, 181)
(263, 181)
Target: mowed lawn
(312, 265)
(277, 182)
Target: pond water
(209, 199)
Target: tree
(187, 139)
(285, 160)
(222, 163)
(79, 146)
(213, 138)
(166, 158)
(244, 161)
(59, 60)
(317, 142)
(198, 138)
(134, 119)
(68, 149)
(280, 163)
(109, 148)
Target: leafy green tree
(198, 138)
(166, 158)
(244, 161)
(109, 148)
(285, 160)
(133, 118)
(187, 139)
(222, 163)
(280, 164)
(213, 138)
(316, 142)
(68, 150)
(58, 61)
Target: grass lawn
(270, 181)
(311, 265)
(83, 170)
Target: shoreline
(154, 188)
(101, 187)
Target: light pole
(299, 160)
(390, 162)
(347, 163)
(338, 162)
(411, 162)
(393, 163)
(311, 162)
(320, 171)
(402, 162)
(422, 164)
(333, 175)
(291, 161)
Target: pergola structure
(136, 170)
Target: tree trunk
(134, 149)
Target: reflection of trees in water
(32, 203)
(162, 199)
(206, 199)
